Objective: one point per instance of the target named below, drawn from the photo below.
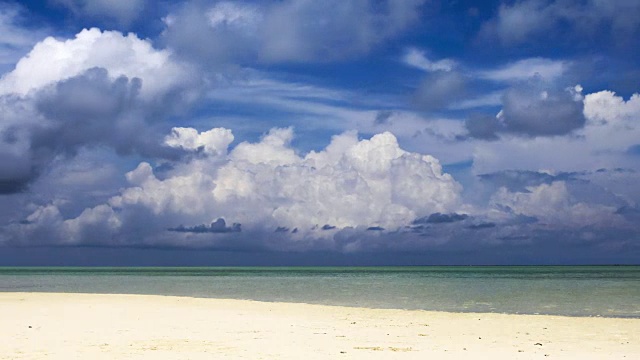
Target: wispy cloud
(488, 100)
(418, 59)
(123, 12)
(525, 69)
(16, 39)
(286, 31)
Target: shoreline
(126, 326)
(326, 304)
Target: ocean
(607, 291)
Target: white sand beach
(90, 326)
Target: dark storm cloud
(91, 109)
(532, 109)
(15, 171)
(88, 110)
(13, 185)
(439, 218)
(483, 126)
(217, 227)
(375, 228)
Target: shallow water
(558, 290)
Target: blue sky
(335, 132)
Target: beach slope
(92, 326)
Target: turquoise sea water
(559, 290)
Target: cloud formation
(543, 164)
(531, 109)
(526, 69)
(439, 89)
(453, 86)
(524, 20)
(53, 60)
(66, 95)
(418, 59)
(439, 218)
(287, 31)
(266, 185)
(15, 38)
(607, 116)
(217, 227)
(552, 205)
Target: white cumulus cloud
(350, 183)
(265, 185)
(214, 141)
(53, 60)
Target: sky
(300, 132)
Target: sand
(91, 326)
